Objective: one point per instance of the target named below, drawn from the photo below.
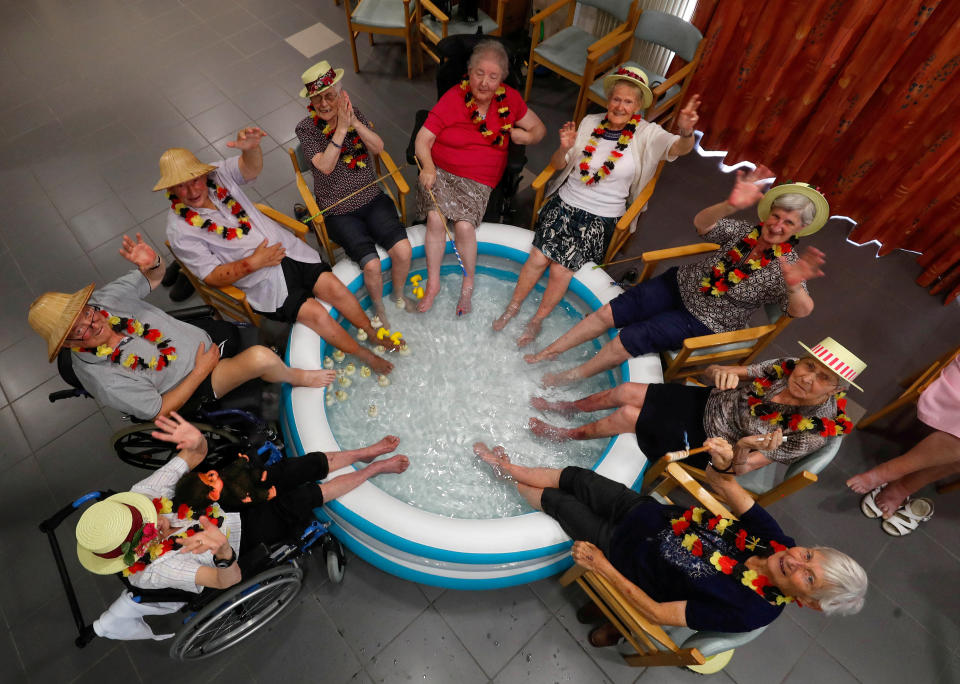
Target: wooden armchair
(434, 25)
(231, 301)
(386, 17)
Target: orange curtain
(858, 97)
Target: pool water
(463, 383)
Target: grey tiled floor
(94, 90)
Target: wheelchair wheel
(237, 613)
(135, 446)
(334, 557)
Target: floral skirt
(460, 199)
(570, 236)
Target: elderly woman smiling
(462, 149)
(617, 154)
(755, 265)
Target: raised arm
(251, 156)
(373, 141)
(145, 258)
(191, 444)
(212, 539)
(686, 124)
(745, 194)
(568, 136)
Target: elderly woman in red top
(462, 149)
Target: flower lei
(145, 547)
(840, 425)
(726, 272)
(693, 519)
(194, 219)
(131, 326)
(626, 135)
(503, 111)
(354, 152)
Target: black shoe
(170, 275)
(630, 277)
(300, 212)
(182, 289)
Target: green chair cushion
(381, 13)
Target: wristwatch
(226, 562)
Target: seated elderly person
(686, 568)
(218, 232)
(134, 357)
(462, 149)
(338, 142)
(165, 554)
(787, 406)
(755, 265)
(616, 155)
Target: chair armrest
(716, 339)
(233, 292)
(652, 258)
(295, 226)
(435, 11)
(697, 491)
(547, 11)
(640, 202)
(678, 76)
(402, 187)
(601, 47)
(543, 177)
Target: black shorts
(359, 232)
(300, 278)
(669, 410)
(226, 336)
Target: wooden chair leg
(409, 55)
(531, 67)
(353, 49)
(901, 401)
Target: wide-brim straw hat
(808, 191)
(838, 359)
(105, 526)
(318, 78)
(53, 315)
(632, 75)
(178, 165)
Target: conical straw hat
(178, 165)
(54, 314)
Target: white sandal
(908, 517)
(868, 503)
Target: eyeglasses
(328, 96)
(83, 323)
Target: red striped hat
(838, 359)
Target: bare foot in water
(408, 304)
(891, 498)
(384, 446)
(548, 431)
(395, 464)
(865, 482)
(567, 377)
(316, 378)
(379, 365)
(496, 459)
(380, 311)
(566, 408)
(427, 302)
(543, 355)
(465, 303)
(530, 332)
(505, 317)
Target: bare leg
(340, 485)
(466, 236)
(628, 393)
(260, 362)
(316, 317)
(534, 477)
(530, 274)
(592, 326)
(939, 448)
(894, 494)
(610, 356)
(434, 243)
(557, 285)
(339, 459)
(373, 281)
(400, 255)
(622, 421)
(329, 289)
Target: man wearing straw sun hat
(222, 237)
(773, 411)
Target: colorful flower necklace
(840, 425)
(626, 135)
(131, 326)
(726, 272)
(503, 111)
(146, 546)
(353, 152)
(194, 219)
(694, 518)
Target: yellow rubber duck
(338, 355)
(417, 287)
(383, 380)
(365, 371)
(327, 362)
(396, 337)
(341, 395)
(350, 369)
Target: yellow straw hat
(838, 359)
(632, 75)
(54, 314)
(808, 191)
(318, 78)
(178, 165)
(106, 525)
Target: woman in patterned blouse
(755, 265)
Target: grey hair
(793, 201)
(490, 49)
(638, 91)
(845, 583)
(842, 385)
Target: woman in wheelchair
(789, 407)
(160, 544)
(134, 357)
(462, 149)
(338, 141)
(616, 155)
(686, 568)
(755, 265)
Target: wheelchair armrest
(419, 120)
(193, 313)
(516, 157)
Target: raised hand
(687, 118)
(345, 115)
(175, 429)
(139, 253)
(210, 538)
(759, 172)
(721, 453)
(770, 441)
(745, 192)
(247, 138)
(805, 268)
(568, 135)
(267, 255)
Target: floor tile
(262, 98)
(817, 665)
(197, 99)
(771, 656)
(101, 223)
(678, 675)
(39, 423)
(277, 172)
(26, 117)
(253, 39)
(24, 366)
(217, 122)
(551, 656)
(230, 20)
(313, 40)
(13, 316)
(281, 123)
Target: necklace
(353, 153)
(692, 521)
(146, 546)
(726, 272)
(194, 219)
(503, 112)
(131, 326)
(626, 135)
(797, 422)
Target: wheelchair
(217, 620)
(454, 52)
(229, 420)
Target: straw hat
(54, 314)
(808, 191)
(318, 78)
(632, 75)
(106, 525)
(178, 165)
(838, 359)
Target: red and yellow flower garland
(353, 153)
(797, 422)
(131, 326)
(503, 112)
(194, 219)
(693, 518)
(145, 547)
(726, 273)
(626, 135)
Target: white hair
(845, 583)
(493, 50)
(793, 201)
(638, 91)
